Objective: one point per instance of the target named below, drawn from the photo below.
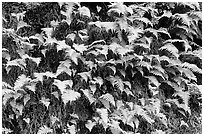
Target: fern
(64, 67)
(153, 80)
(141, 112)
(63, 85)
(72, 55)
(107, 98)
(89, 95)
(45, 101)
(116, 82)
(70, 95)
(16, 62)
(44, 130)
(70, 7)
(145, 65)
(80, 48)
(171, 48)
(90, 124)
(85, 75)
(192, 67)
(39, 76)
(103, 114)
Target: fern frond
(171, 49)
(141, 112)
(103, 114)
(21, 81)
(112, 69)
(81, 48)
(90, 124)
(36, 60)
(73, 55)
(184, 105)
(153, 80)
(119, 8)
(106, 25)
(192, 5)
(45, 130)
(16, 62)
(158, 73)
(189, 74)
(109, 98)
(116, 82)
(39, 76)
(6, 131)
(63, 85)
(143, 20)
(6, 85)
(192, 67)
(98, 80)
(84, 11)
(45, 101)
(70, 95)
(64, 67)
(85, 75)
(145, 65)
(88, 93)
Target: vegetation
(118, 68)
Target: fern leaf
(16, 62)
(36, 60)
(134, 33)
(158, 73)
(70, 95)
(108, 97)
(72, 55)
(6, 131)
(26, 98)
(6, 97)
(119, 8)
(69, 7)
(17, 107)
(54, 119)
(63, 85)
(128, 92)
(64, 67)
(61, 45)
(143, 20)
(45, 130)
(89, 95)
(107, 25)
(85, 75)
(98, 80)
(112, 68)
(84, 11)
(170, 48)
(21, 81)
(6, 85)
(81, 48)
(153, 80)
(39, 76)
(45, 101)
(192, 5)
(116, 82)
(127, 83)
(145, 65)
(141, 112)
(192, 67)
(90, 124)
(103, 114)
(189, 74)
(184, 105)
